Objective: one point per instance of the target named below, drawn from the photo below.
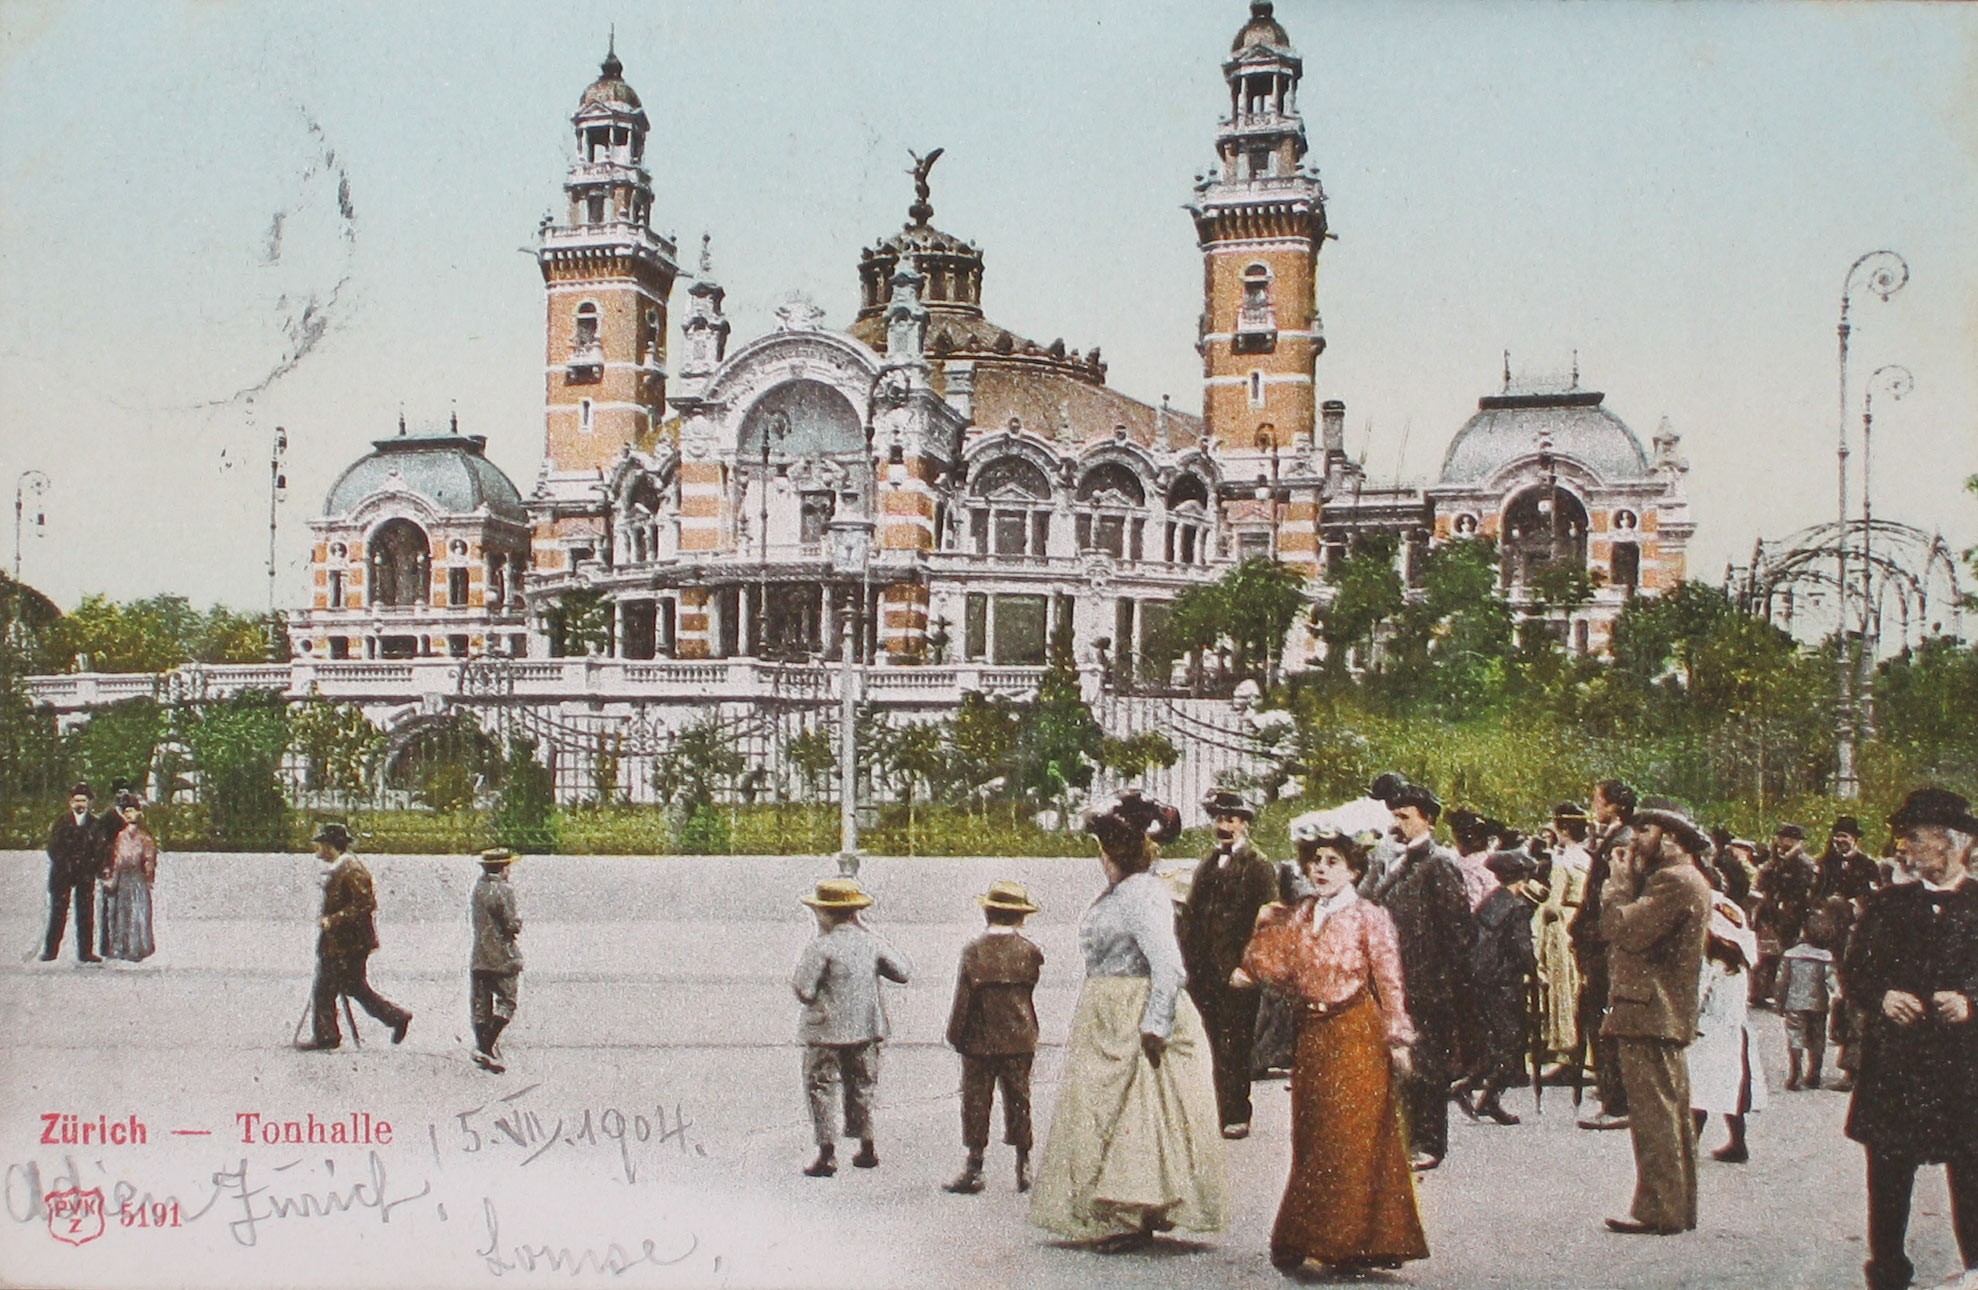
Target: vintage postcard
(1049, 643)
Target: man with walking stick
(347, 934)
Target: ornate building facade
(1012, 496)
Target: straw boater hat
(497, 858)
(1007, 895)
(837, 893)
(1570, 811)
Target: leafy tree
(1262, 600)
(814, 754)
(1058, 740)
(1193, 626)
(1367, 594)
(1136, 754)
(580, 623)
(117, 742)
(525, 814)
(1451, 645)
(701, 758)
(338, 743)
(156, 635)
(984, 733)
(237, 745)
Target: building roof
(451, 471)
(1042, 401)
(610, 87)
(1571, 423)
(1262, 29)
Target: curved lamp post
(1893, 380)
(1882, 273)
(851, 544)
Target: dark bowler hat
(1227, 801)
(82, 789)
(1846, 824)
(1938, 807)
(334, 835)
(1510, 866)
(1789, 831)
(1420, 798)
(1386, 785)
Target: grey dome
(449, 470)
(1508, 427)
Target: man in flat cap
(347, 935)
(1231, 884)
(1654, 918)
(497, 963)
(1913, 967)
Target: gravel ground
(650, 1128)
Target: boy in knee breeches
(993, 1025)
(1806, 990)
(844, 1020)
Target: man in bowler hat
(497, 963)
(1912, 965)
(347, 934)
(75, 853)
(1230, 886)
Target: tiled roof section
(1572, 422)
(1043, 401)
(448, 470)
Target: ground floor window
(1009, 630)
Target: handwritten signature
(549, 1257)
(261, 1203)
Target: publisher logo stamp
(75, 1216)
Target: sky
(218, 218)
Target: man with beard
(1230, 886)
(1655, 913)
(1613, 804)
(1424, 894)
(1845, 869)
(1913, 966)
(1785, 887)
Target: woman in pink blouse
(1351, 1199)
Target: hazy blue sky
(1675, 190)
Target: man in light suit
(1655, 913)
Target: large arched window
(1545, 524)
(1187, 537)
(1009, 508)
(401, 561)
(1111, 504)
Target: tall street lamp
(775, 427)
(851, 545)
(1894, 380)
(277, 494)
(1882, 273)
(31, 481)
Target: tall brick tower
(1260, 220)
(607, 279)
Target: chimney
(1332, 417)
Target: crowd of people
(1620, 944)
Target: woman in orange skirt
(1351, 1199)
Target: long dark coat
(1917, 1090)
(75, 852)
(1219, 916)
(1503, 965)
(1424, 896)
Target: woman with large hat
(128, 872)
(1350, 1202)
(1136, 1143)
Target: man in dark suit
(75, 853)
(348, 933)
(1613, 805)
(1654, 914)
(993, 1025)
(1230, 886)
(1912, 968)
(1424, 894)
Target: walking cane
(1535, 1042)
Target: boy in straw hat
(497, 963)
(844, 1019)
(993, 1025)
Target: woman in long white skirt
(1725, 1076)
(1136, 1142)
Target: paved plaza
(650, 1128)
